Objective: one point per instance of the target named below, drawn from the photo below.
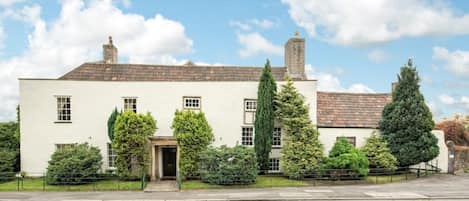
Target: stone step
(162, 186)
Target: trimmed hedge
(228, 166)
(74, 165)
(7, 164)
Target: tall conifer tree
(301, 151)
(407, 122)
(264, 123)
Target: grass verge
(262, 182)
(36, 184)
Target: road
(439, 187)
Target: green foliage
(228, 166)
(193, 134)
(131, 132)
(9, 147)
(407, 122)
(301, 151)
(454, 131)
(264, 123)
(111, 122)
(378, 153)
(74, 165)
(344, 155)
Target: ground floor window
(247, 136)
(274, 164)
(112, 156)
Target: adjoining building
(75, 107)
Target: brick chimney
(109, 52)
(295, 57)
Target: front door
(169, 162)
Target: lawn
(262, 182)
(36, 184)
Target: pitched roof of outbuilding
(140, 72)
(350, 110)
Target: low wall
(461, 158)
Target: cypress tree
(264, 123)
(301, 151)
(407, 122)
(111, 122)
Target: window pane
(277, 137)
(274, 164)
(63, 108)
(246, 136)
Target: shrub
(74, 165)
(131, 132)
(302, 151)
(343, 155)
(111, 122)
(228, 166)
(378, 153)
(193, 134)
(7, 164)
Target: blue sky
(355, 46)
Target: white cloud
(364, 22)
(461, 102)
(265, 24)
(255, 44)
(240, 25)
(6, 3)
(435, 109)
(329, 82)
(456, 62)
(248, 24)
(446, 99)
(378, 56)
(76, 36)
(127, 3)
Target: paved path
(441, 187)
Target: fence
(10, 181)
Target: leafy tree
(111, 122)
(407, 122)
(193, 134)
(454, 131)
(131, 133)
(302, 151)
(264, 123)
(344, 155)
(378, 153)
(74, 165)
(7, 136)
(228, 166)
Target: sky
(355, 46)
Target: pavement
(437, 187)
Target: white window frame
(111, 156)
(249, 107)
(274, 164)
(62, 114)
(277, 137)
(130, 103)
(192, 102)
(247, 136)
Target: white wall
(93, 101)
(328, 137)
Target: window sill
(62, 122)
(276, 147)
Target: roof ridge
(351, 93)
(175, 65)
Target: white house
(75, 107)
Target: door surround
(158, 143)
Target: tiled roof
(138, 72)
(350, 110)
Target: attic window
(193, 103)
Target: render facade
(75, 107)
